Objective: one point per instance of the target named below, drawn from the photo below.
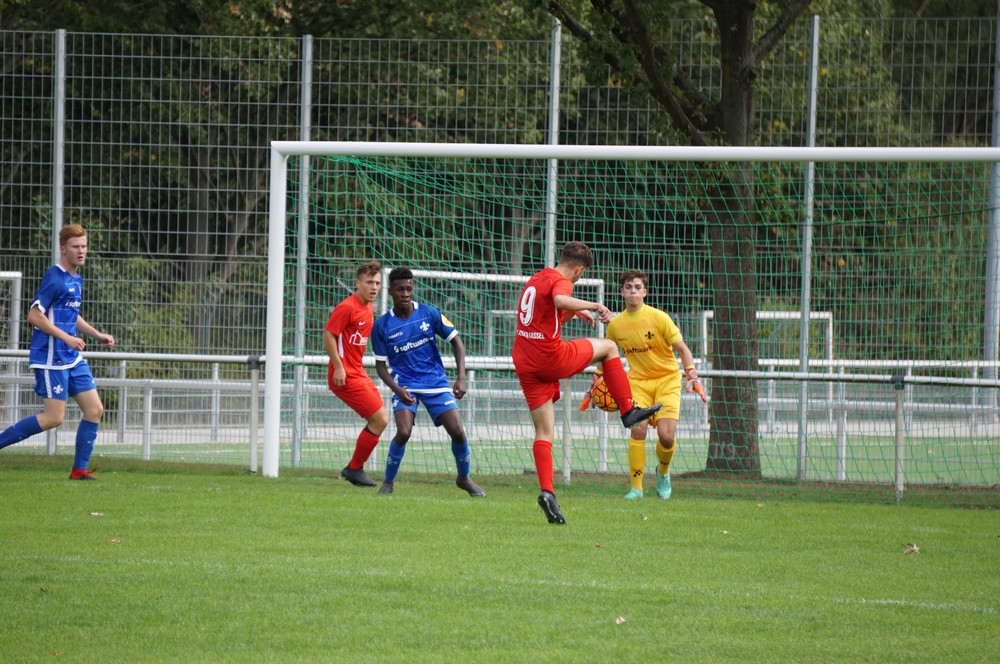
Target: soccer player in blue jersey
(60, 370)
(404, 341)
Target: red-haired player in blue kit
(60, 370)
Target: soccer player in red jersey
(542, 358)
(344, 339)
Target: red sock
(363, 448)
(542, 449)
(617, 381)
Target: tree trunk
(733, 440)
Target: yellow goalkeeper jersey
(646, 338)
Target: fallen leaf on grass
(97, 514)
(620, 620)
(911, 548)
(598, 545)
(724, 532)
(114, 541)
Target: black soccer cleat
(385, 489)
(547, 501)
(357, 477)
(636, 415)
(463, 482)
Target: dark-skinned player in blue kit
(404, 342)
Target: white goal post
(282, 150)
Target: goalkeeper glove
(693, 384)
(588, 397)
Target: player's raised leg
(606, 352)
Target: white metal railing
(901, 377)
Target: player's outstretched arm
(583, 308)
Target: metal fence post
(216, 403)
(147, 421)
(122, 401)
(254, 363)
(898, 383)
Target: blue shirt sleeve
(443, 327)
(378, 338)
(49, 289)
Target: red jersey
(351, 323)
(539, 323)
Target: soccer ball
(600, 395)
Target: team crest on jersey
(424, 326)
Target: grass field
(960, 472)
(168, 562)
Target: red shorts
(359, 393)
(540, 376)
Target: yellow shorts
(659, 390)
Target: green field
(160, 562)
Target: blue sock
(20, 430)
(86, 436)
(463, 458)
(392, 460)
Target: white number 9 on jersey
(527, 305)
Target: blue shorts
(63, 383)
(436, 404)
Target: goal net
(833, 276)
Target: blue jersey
(409, 347)
(59, 297)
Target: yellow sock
(665, 455)
(636, 462)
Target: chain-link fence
(158, 145)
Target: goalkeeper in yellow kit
(653, 344)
